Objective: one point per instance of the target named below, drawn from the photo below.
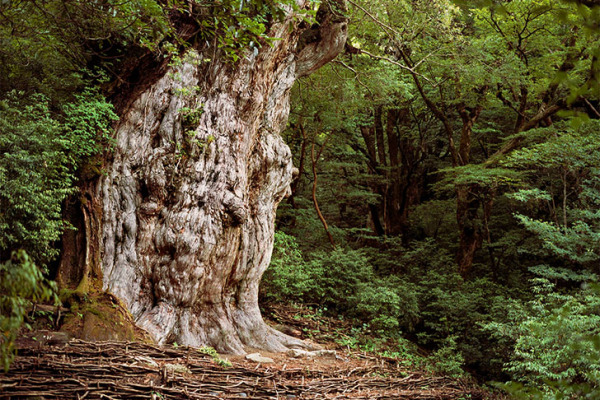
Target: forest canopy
(448, 192)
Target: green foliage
(478, 176)
(324, 279)
(450, 311)
(342, 280)
(34, 178)
(389, 306)
(447, 359)
(430, 300)
(241, 27)
(556, 343)
(210, 351)
(566, 166)
(39, 154)
(86, 125)
(21, 283)
(47, 44)
(287, 277)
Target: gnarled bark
(190, 195)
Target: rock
(324, 353)
(57, 338)
(298, 353)
(258, 358)
(147, 361)
(177, 368)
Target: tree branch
(411, 70)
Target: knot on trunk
(235, 209)
(324, 40)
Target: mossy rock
(70, 297)
(101, 317)
(94, 329)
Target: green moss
(70, 297)
(100, 316)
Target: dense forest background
(447, 200)
(448, 186)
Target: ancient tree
(181, 225)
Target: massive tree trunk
(190, 194)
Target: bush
(287, 277)
(21, 282)
(430, 298)
(447, 360)
(387, 307)
(39, 154)
(556, 338)
(343, 281)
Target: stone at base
(298, 353)
(258, 358)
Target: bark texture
(190, 195)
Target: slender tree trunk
(405, 178)
(314, 159)
(368, 134)
(187, 205)
(468, 197)
(471, 233)
(379, 136)
(298, 177)
(393, 192)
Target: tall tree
(198, 170)
(180, 222)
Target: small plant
(447, 359)
(157, 396)
(349, 342)
(210, 351)
(21, 283)
(190, 117)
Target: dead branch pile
(116, 370)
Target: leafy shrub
(449, 310)
(556, 340)
(342, 280)
(35, 178)
(337, 276)
(389, 307)
(447, 359)
(430, 298)
(39, 154)
(569, 160)
(287, 277)
(21, 282)
(452, 308)
(86, 125)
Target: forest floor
(75, 369)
